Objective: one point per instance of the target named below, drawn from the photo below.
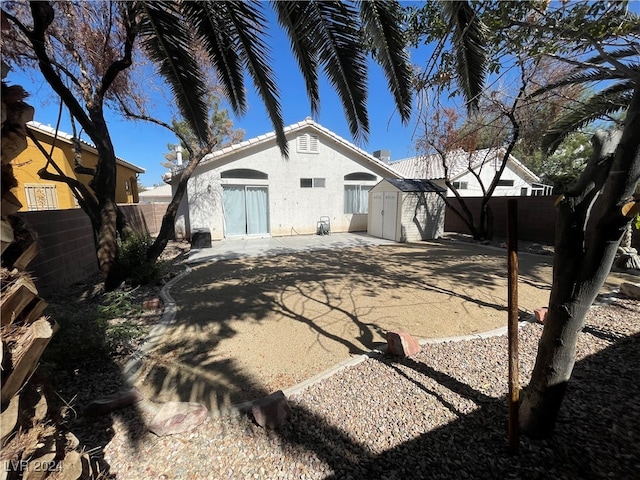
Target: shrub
(132, 259)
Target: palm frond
(337, 42)
(170, 48)
(381, 21)
(246, 27)
(469, 37)
(605, 103)
(209, 23)
(296, 21)
(579, 76)
(618, 54)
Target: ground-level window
(356, 198)
(524, 191)
(312, 182)
(41, 197)
(460, 185)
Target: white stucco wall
(292, 209)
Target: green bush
(132, 259)
(92, 329)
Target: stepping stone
(177, 417)
(118, 400)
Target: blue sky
(144, 144)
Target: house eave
(68, 139)
(219, 156)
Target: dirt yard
(248, 327)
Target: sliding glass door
(246, 210)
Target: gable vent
(308, 143)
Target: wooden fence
(536, 218)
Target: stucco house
(159, 194)
(250, 189)
(516, 179)
(35, 193)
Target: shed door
(389, 215)
(377, 207)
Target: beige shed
(406, 210)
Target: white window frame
(315, 182)
(363, 208)
(460, 185)
(41, 196)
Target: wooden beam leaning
(512, 325)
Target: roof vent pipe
(179, 155)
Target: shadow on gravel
(79, 368)
(596, 435)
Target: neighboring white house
(161, 194)
(516, 179)
(250, 189)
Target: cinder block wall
(145, 217)
(67, 252)
(66, 249)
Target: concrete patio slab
(243, 247)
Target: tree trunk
(581, 265)
(168, 220)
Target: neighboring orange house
(37, 194)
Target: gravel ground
(439, 414)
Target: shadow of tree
(596, 435)
(322, 291)
(78, 368)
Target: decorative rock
(627, 261)
(537, 249)
(271, 411)
(177, 417)
(631, 290)
(540, 314)
(151, 303)
(401, 344)
(113, 402)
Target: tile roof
(49, 130)
(162, 190)
(307, 122)
(458, 161)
